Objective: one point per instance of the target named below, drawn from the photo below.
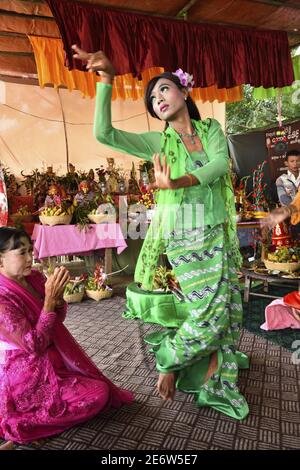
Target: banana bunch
(70, 210)
(284, 255)
(55, 211)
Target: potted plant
(148, 200)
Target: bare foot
(213, 365)
(166, 385)
(9, 445)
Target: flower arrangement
(83, 210)
(258, 196)
(253, 204)
(74, 290)
(147, 199)
(97, 287)
(76, 285)
(241, 197)
(62, 209)
(164, 278)
(284, 254)
(98, 280)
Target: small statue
(41, 193)
(55, 195)
(71, 180)
(133, 185)
(12, 186)
(85, 193)
(91, 179)
(30, 182)
(101, 172)
(72, 170)
(50, 173)
(112, 182)
(122, 186)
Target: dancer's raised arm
(142, 145)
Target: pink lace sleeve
(16, 330)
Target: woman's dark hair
(192, 108)
(10, 238)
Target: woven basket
(19, 218)
(71, 298)
(56, 219)
(102, 218)
(284, 267)
(99, 294)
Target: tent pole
(65, 129)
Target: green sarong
(207, 276)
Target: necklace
(191, 136)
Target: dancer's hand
(161, 173)
(275, 217)
(96, 62)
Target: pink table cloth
(61, 240)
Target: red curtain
(215, 55)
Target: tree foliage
(250, 114)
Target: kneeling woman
(47, 382)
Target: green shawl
(169, 201)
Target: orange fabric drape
(49, 57)
(223, 95)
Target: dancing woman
(191, 168)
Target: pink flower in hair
(185, 78)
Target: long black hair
(10, 238)
(191, 106)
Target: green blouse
(144, 145)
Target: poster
(278, 142)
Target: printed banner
(278, 142)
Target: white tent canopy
(33, 134)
